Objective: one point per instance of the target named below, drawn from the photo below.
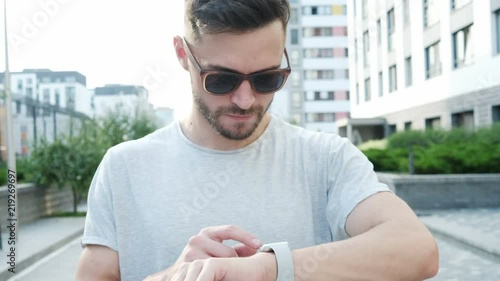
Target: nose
(243, 97)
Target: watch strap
(284, 261)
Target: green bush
(458, 159)
(22, 171)
(388, 160)
(441, 152)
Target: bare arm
(388, 243)
(98, 263)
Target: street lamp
(11, 156)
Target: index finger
(231, 232)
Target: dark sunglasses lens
(221, 83)
(268, 82)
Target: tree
(71, 161)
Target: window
(318, 53)
(294, 16)
(357, 93)
(348, 95)
(29, 81)
(433, 123)
(457, 4)
(393, 79)
(296, 100)
(295, 78)
(18, 107)
(380, 84)
(366, 48)
(29, 92)
(495, 112)
(406, 12)
(497, 29)
(317, 31)
(392, 129)
(46, 95)
(390, 29)
(408, 72)
(432, 61)
(379, 32)
(340, 31)
(294, 57)
(364, 7)
(319, 74)
(463, 120)
(431, 12)
(339, 10)
(294, 38)
(70, 98)
(462, 47)
(19, 85)
(340, 52)
(407, 126)
(320, 117)
(368, 93)
(356, 50)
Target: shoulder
(152, 143)
(309, 139)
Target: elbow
(430, 265)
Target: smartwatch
(284, 260)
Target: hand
(260, 267)
(208, 244)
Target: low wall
(445, 191)
(34, 202)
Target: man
(163, 207)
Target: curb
(28, 261)
(476, 246)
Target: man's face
(237, 115)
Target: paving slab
(477, 228)
(38, 239)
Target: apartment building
(130, 98)
(317, 92)
(422, 64)
(45, 104)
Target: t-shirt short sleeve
(351, 180)
(100, 228)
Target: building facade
(422, 64)
(317, 92)
(131, 99)
(45, 104)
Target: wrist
(269, 265)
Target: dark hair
(220, 16)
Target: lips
(240, 117)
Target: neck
(197, 129)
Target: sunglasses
(221, 83)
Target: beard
(237, 132)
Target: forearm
(390, 251)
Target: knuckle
(195, 240)
(190, 256)
(231, 228)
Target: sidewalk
(478, 229)
(38, 239)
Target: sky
(108, 41)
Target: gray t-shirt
(149, 196)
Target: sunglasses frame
(205, 73)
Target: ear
(180, 52)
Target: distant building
(45, 104)
(132, 99)
(164, 116)
(317, 92)
(422, 65)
